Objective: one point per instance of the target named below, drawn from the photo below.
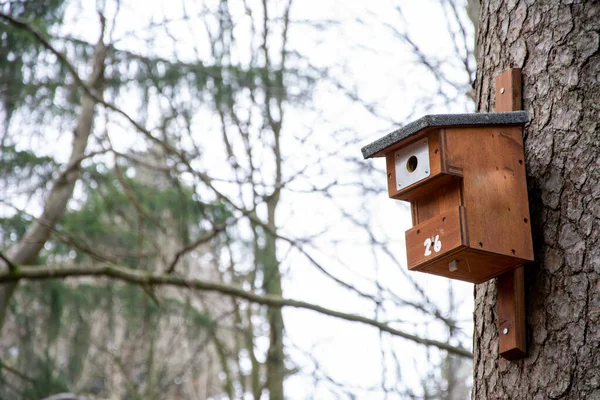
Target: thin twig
(15, 372)
(192, 246)
(90, 92)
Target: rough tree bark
(558, 47)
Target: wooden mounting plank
(511, 286)
(511, 314)
(508, 91)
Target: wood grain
(448, 227)
(474, 266)
(495, 189)
(442, 196)
(511, 314)
(508, 91)
(510, 302)
(434, 164)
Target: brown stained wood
(495, 193)
(474, 266)
(508, 91)
(511, 314)
(510, 301)
(414, 213)
(442, 196)
(440, 175)
(391, 173)
(429, 187)
(492, 193)
(448, 164)
(448, 230)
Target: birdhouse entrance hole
(412, 163)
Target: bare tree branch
(4, 366)
(204, 239)
(203, 177)
(11, 266)
(140, 278)
(65, 396)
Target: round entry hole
(412, 163)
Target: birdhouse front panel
(415, 168)
(437, 238)
(411, 164)
(464, 176)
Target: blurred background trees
(219, 141)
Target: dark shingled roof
(439, 120)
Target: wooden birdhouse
(464, 176)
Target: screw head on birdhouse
(464, 176)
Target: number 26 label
(437, 245)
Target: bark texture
(557, 44)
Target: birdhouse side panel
(494, 188)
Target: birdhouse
(464, 176)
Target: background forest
(192, 169)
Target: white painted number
(427, 247)
(437, 245)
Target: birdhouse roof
(443, 120)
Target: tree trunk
(28, 248)
(557, 46)
(275, 355)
